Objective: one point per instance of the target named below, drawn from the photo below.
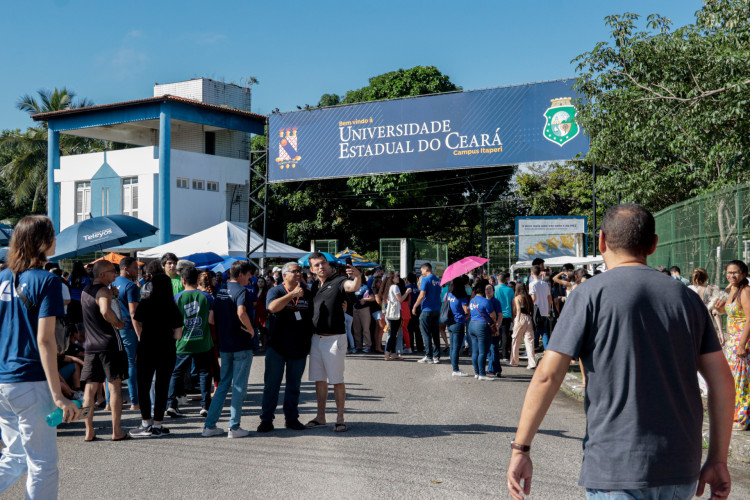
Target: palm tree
(26, 174)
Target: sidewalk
(739, 449)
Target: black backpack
(446, 313)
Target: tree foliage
(23, 171)
(666, 109)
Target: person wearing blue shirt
(493, 357)
(429, 319)
(234, 332)
(482, 317)
(28, 363)
(361, 319)
(505, 295)
(459, 304)
(129, 296)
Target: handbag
(61, 333)
(493, 326)
(393, 311)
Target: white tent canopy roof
(225, 238)
(559, 261)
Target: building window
(105, 201)
(182, 183)
(212, 186)
(198, 184)
(130, 196)
(210, 143)
(83, 201)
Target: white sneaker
(435, 361)
(407, 351)
(460, 373)
(238, 433)
(216, 431)
(476, 376)
(425, 360)
(485, 377)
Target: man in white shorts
(329, 343)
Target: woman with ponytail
(738, 333)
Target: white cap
(275, 269)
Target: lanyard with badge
(297, 314)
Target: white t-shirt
(392, 293)
(65, 295)
(540, 290)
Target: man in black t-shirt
(105, 357)
(289, 335)
(328, 346)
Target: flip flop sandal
(124, 438)
(95, 438)
(339, 428)
(313, 423)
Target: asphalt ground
(414, 432)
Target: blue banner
(501, 126)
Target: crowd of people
(170, 332)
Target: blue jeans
(674, 492)
(130, 342)
(480, 334)
(348, 320)
(541, 332)
(31, 443)
(203, 362)
(493, 357)
(429, 323)
(235, 370)
(275, 365)
(456, 332)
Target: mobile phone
(348, 261)
(85, 412)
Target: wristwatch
(520, 447)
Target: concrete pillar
(53, 163)
(165, 149)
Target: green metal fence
(707, 231)
(390, 253)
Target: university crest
(288, 146)
(561, 125)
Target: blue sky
(112, 51)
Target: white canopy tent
(559, 262)
(225, 238)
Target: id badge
(297, 316)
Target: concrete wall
(191, 210)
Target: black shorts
(101, 366)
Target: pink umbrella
(460, 267)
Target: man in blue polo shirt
(429, 319)
(129, 296)
(505, 295)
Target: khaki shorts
(327, 357)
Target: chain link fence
(707, 231)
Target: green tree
(666, 109)
(24, 174)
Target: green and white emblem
(561, 125)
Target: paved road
(415, 432)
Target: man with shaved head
(105, 357)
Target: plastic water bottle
(56, 417)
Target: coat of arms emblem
(288, 145)
(561, 125)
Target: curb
(739, 448)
